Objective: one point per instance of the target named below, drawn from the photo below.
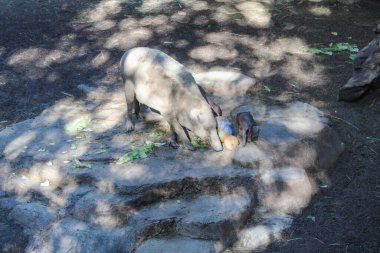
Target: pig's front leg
(133, 110)
(173, 141)
(178, 129)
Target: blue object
(226, 126)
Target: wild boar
(247, 127)
(155, 79)
(214, 106)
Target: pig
(155, 79)
(214, 106)
(366, 69)
(247, 127)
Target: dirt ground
(48, 48)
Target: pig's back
(159, 81)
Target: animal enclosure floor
(48, 48)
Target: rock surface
(69, 235)
(176, 245)
(64, 188)
(295, 135)
(32, 217)
(205, 217)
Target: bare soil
(48, 48)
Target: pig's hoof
(189, 146)
(130, 127)
(174, 144)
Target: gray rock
(4, 98)
(251, 156)
(2, 193)
(259, 235)
(205, 217)
(71, 194)
(107, 210)
(176, 245)
(296, 135)
(348, 1)
(12, 238)
(8, 203)
(86, 87)
(224, 83)
(32, 217)
(285, 190)
(70, 235)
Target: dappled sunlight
(303, 71)
(48, 163)
(18, 145)
(320, 11)
(211, 53)
(101, 58)
(128, 39)
(102, 10)
(256, 13)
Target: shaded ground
(47, 48)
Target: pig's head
(204, 125)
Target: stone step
(150, 180)
(177, 245)
(209, 217)
(70, 235)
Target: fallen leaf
(77, 125)
(79, 165)
(100, 151)
(137, 153)
(267, 88)
(334, 33)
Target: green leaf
(79, 165)
(77, 125)
(352, 57)
(100, 151)
(334, 33)
(267, 88)
(137, 153)
(155, 134)
(333, 47)
(198, 143)
(73, 146)
(327, 52)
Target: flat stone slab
(70, 235)
(106, 210)
(176, 245)
(32, 217)
(205, 217)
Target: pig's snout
(215, 142)
(244, 137)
